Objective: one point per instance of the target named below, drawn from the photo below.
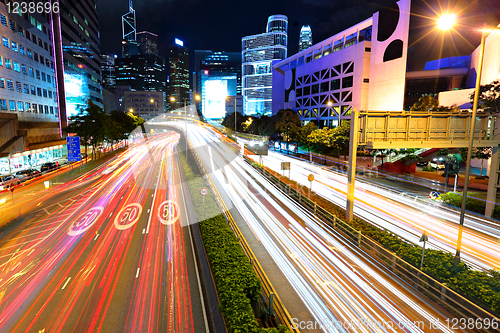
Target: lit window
(8, 63)
(24, 70)
(13, 46)
(2, 83)
(12, 105)
(28, 107)
(3, 19)
(17, 68)
(5, 41)
(3, 104)
(10, 84)
(20, 106)
(28, 52)
(26, 88)
(30, 71)
(22, 50)
(19, 87)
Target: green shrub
(455, 199)
(428, 169)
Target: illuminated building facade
(305, 38)
(208, 63)
(258, 53)
(108, 70)
(215, 87)
(82, 63)
(178, 63)
(141, 72)
(362, 67)
(147, 104)
(148, 42)
(28, 94)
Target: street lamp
(446, 22)
(131, 110)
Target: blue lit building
(258, 53)
(305, 38)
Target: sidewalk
(27, 192)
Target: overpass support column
(493, 172)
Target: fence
(433, 289)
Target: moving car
(8, 181)
(25, 175)
(422, 163)
(437, 165)
(49, 166)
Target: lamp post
(446, 22)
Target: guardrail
(274, 301)
(425, 284)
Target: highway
(343, 288)
(106, 252)
(402, 215)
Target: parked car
(437, 165)
(49, 166)
(25, 175)
(7, 181)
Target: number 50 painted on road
(168, 212)
(128, 216)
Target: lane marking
(46, 211)
(66, 283)
(148, 210)
(137, 274)
(143, 231)
(96, 235)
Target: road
(103, 253)
(401, 214)
(340, 284)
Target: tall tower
(305, 38)
(128, 24)
(178, 61)
(258, 53)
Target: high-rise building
(219, 62)
(28, 97)
(305, 38)
(148, 42)
(258, 53)
(129, 29)
(147, 104)
(178, 63)
(82, 63)
(108, 70)
(141, 72)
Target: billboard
(215, 87)
(77, 93)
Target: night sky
(219, 25)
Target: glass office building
(258, 53)
(305, 38)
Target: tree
(336, 138)
(288, 121)
(229, 121)
(409, 155)
(303, 132)
(482, 153)
(425, 103)
(489, 97)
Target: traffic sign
(424, 237)
(433, 195)
(73, 144)
(204, 191)
(168, 212)
(310, 177)
(128, 216)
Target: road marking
(110, 214)
(46, 211)
(143, 231)
(96, 235)
(66, 283)
(148, 210)
(137, 274)
(152, 195)
(121, 197)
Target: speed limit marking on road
(128, 216)
(168, 212)
(85, 221)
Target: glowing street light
(445, 22)
(152, 100)
(329, 103)
(131, 110)
(197, 97)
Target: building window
(324, 87)
(12, 25)
(12, 105)
(366, 80)
(10, 84)
(33, 90)
(28, 35)
(40, 108)
(37, 74)
(20, 106)
(28, 107)
(315, 89)
(19, 87)
(40, 42)
(45, 46)
(13, 46)
(49, 78)
(39, 91)
(24, 70)
(28, 52)
(51, 110)
(47, 63)
(44, 78)
(3, 19)
(1, 62)
(20, 30)
(42, 60)
(5, 41)
(22, 50)
(17, 68)
(35, 56)
(46, 107)
(26, 88)
(45, 93)
(50, 93)
(335, 84)
(347, 82)
(30, 71)
(2, 83)
(34, 108)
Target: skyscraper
(178, 63)
(305, 38)
(141, 72)
(108, 70)
(148, 42)
(258, 53)
(82, 63)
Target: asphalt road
(108, 252)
